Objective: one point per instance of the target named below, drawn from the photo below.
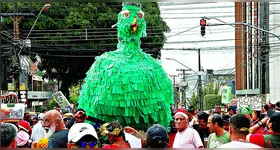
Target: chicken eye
(126, 13)
(140, 14)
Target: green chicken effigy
(127, 84)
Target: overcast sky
(212, 55)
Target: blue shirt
(59, 139)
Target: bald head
(53, 118)
(53, 114)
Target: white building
(274, 60)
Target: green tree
(208, 89)
(193, 101)
(59, 36)
(74, 94)
(52, 105)
(210, 100)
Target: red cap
(182, 112)
(24, 125)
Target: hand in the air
(80, 117)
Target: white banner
(61, 100)
(255, 102)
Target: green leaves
(210, 100)
(209, 97)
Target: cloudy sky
(217, 54)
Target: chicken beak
(134, 25)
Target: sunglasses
(84, 144)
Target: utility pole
(199, 83)
(183, 84)
(173, 79)
(16, 65)
(198, 73)
(264, 48)
(1, 66)
(174, 88)
(14, 52)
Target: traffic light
(202, 26)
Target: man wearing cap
(56, 132)
(247, 111)
(82, 135)
(238, 130)
(24, 125)
(270, 140)
(23, 139)
(157, 137)
(38, 131)
(219, 135)
(185, 137)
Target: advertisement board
(12, 111)
(61, 100)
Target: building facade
(257, 60)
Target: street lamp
(45, 7)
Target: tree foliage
(209, 89)
(210, 100)
(60, 33)
(74, 94)
(52, 105)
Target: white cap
(22, 138)
(79, 130)
(40, 116)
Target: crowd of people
(227, 128)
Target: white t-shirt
(193, 121)
(133, 141)
(38, 132)
(189, 138)
(238, 144)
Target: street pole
(16, 48)
(199, 83)
(1, 66)
(174, 88)
(199, 76)
(183, 89)
(264, 48)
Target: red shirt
(171, 136)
